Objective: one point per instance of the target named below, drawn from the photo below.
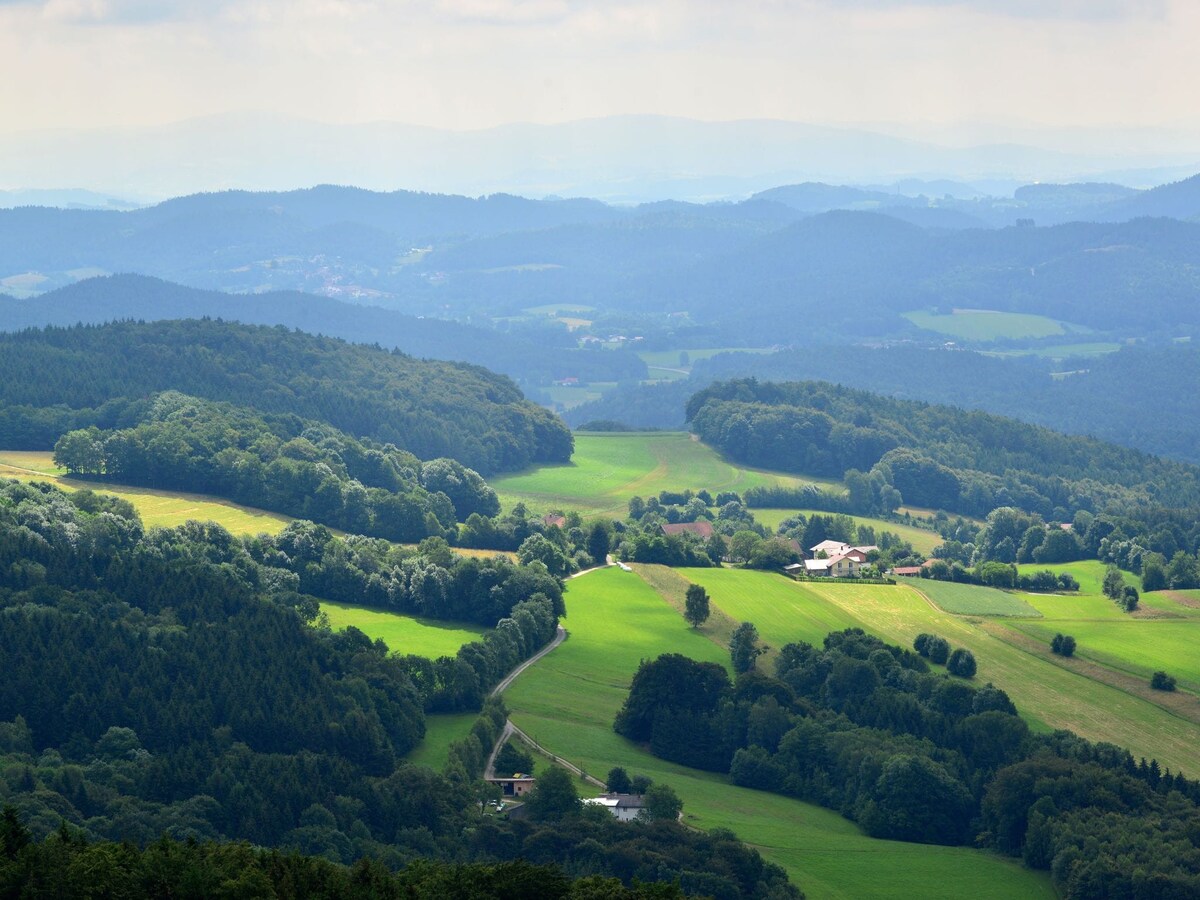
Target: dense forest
(171, 683)
(61, 379)
(933, 456)
(869, 730)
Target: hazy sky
(477, 63)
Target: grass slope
(440, 732)
(607, 469)
(567, 702)
(157, 508)
(973, 599)
(403, 634)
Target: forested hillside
(935, 456)
(1102, 396)
(59, 379)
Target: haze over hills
(617, 158)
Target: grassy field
(441, 731)
(1047, 692)
(973, 600)
(568, 700)
(774, 603)
(1088, 572)
(403, 634)
(922, 539)
(157, 508)
(987, 325)
(608, 469)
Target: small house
(702, 529)
(622, 807)
(554, 520)
(908, 571)
(517, 786)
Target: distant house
(623, 807)
(517, 786)
(702, 529)
(572, 381)
(906, 570)
(553, 520)
(836, 548)
(841, 565)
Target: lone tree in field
(695, 608)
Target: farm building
(517, 786)
(909, 571)
(554, 520)
(702, 529)
(623, 807)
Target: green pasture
(776, 604)
(406, 635)
(987, 325)
(922, 539)
(1136, 646)
(972, 599)
(1046, 693)
(157, 508)
(441, 730)
(608, 469)
(568, 700)
(1088, 572)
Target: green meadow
(987, 325)
(441, 730)
(403, 634)
(608, 469)
(972, 600)
(568, 700)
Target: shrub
(961, 663)
(1063, 645)
(1161, 681)
(939, 649)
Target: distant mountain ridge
(607, 157)
(119, 297)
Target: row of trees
(281, 463)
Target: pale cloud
(477, 63)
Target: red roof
(906, 570)
(702, 528)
